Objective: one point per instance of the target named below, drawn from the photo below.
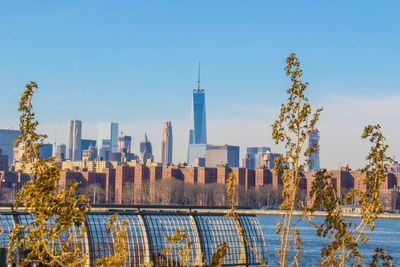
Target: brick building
(110, 184)
(123, 174)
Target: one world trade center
(198, 131)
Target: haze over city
(136, 64)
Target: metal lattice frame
(148, 230)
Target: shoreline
(321, 214)
(208, 209)
(299, 213)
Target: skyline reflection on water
(386, 235)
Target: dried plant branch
(54, 211)
(292, 128)
(344, 234)
(180, 237)
(119, 235)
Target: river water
(386, 235)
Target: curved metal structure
(148, 230)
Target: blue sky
(135, 62)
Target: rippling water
(386, 235)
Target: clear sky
(135, 63)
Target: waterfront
(386, 235)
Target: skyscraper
(7, 139)
(89, 153)
(313, 142)
(124, 143)
(166, 146)
(255, 155)
(74, 140)
(107, 139)
(61, 152)
(86, 143)
(196, 152)
(46, 151)
(198, 132)
(222, 154)
(199, 114)
(146, 150)
(199, 117)
(3, 161)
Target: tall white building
(166, 146)
(107, 138)
(74, 140)
(222, 154)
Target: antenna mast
(198, 77)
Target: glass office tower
(313, 142)
(198, 130)
(7, 139)
(107, 139)
(199, 116)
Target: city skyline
(159, 159)
(351, 66)
(199, 133)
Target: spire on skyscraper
(198, 77)
(146, 150)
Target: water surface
(386, 235)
